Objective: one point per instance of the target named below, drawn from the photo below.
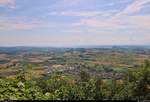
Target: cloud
(127, 22)
(83, 13)
(128, 18)
(7, 3)
(122, 20)
(75, 22)
(136, 6)
(17, 26)
(29, 23)
(20, 23)
(98, 23)
(76, 13)
(117, 2)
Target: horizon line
(75, 46)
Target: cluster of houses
(76, 70)
(110, 75)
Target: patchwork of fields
(100, 62)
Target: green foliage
(142, 83)
(84, 76)
(16, 89)
(137, 83)
(135, 86)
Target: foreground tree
(137, 83)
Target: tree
(137, 82)
(142, 76)
(98, 89)
(84, 76)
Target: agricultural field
(71, 60)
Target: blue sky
(74, 22)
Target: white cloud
(136, 6)
(126, 22)
(19, 23)
(28, 23)
(90, 29)
(7, 3)
(77, 13)
(83, 13)
(122, 19)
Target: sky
(74, 22)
